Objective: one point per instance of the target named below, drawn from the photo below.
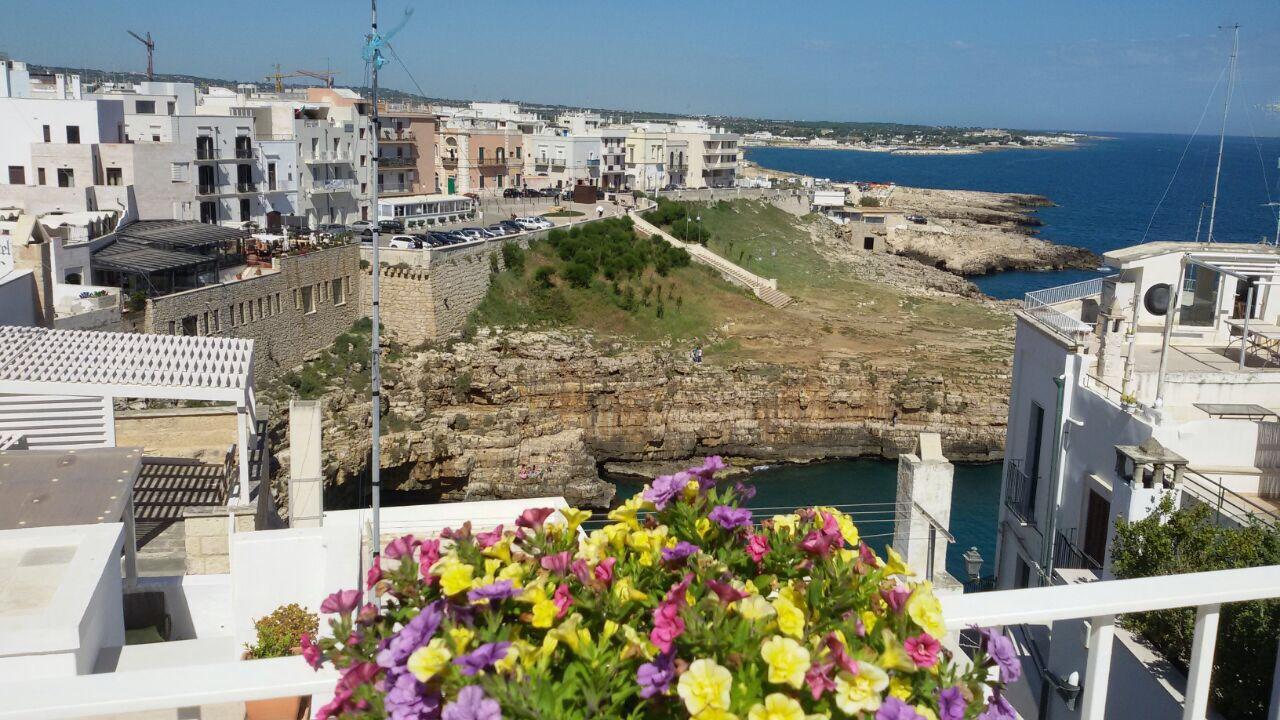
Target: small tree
(868, 201)
(544, 277)
(513, 257)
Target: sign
(6, 255)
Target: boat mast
(1226, 106)
(375, 315)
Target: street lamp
(973, 564)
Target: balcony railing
(327, 156)
(206, 189)
(1063, 293)
(553, 162)
(1227, 503)
(207, 153)
(332, 186)
(169, 688)
(246, 187)
(243, 153)
(491, 161)
(1019, 493)
(1066, 554)
(403, 161)
(391, 135)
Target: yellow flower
(624, 591)
(926, 713)
(575, 517)
(895, 656)
(897, 566)
(691, 490)
(714, 714)
(509, 662)
(869, 620)
(616, 535)
(848, 530)
(755, 607)
(705, 686)
(860, 693)
(514, 572)
(626, 513)
(926, 611)
(544, 613)
(500, 550)
(790, 617)
(703, 526)
(777, 707)
(787, 661)
(426, 662)
(786, 523)
(461, 637)
(610, 629)
(899, 687)
(456, 578)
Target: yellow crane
(278, 77)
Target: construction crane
(278, 77)
(326, 77)
(151, 48)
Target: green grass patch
(564, 213)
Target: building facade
(479, 155)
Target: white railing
(1100, 603)
(1064, 293)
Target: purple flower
(341, 602)
(412, 636)
(482, 658)
(896, 598)
(472, 704)
(1000, 649)
(730, 517)
(707, 473)
(401, 547)
(533, 518)
(743, 490)
(558, 562)
(895, 709)
(682, 550)
(951, 704)
(998, 709)
(408, 699)
(726, 592)
(500, 590)
(655, 677)
(665, 488)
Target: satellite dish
(1156, 299)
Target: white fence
(1099, 602)
(1039, 305)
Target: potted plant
(282, 633)
(1128, 401)
(683, 605)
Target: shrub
(690, 607)
(544, 276)
(493, 263)
(552, 307)
(868, 201)
(280, 633)
(579, 274)
(513, 257)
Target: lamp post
(973, 564)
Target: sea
(1117, 190)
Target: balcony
(206, 190)
(207, 154)
(1059, 308)
(247, 187)
(449, 161)
(1019, 493)
(546, 162)
(245, 153)
(392, 162)
(496, 161)
(1066, 554)
(321, 157)
(391, 135)
(333, 186)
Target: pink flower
(757, 546)
(604, 571)
(816, 543)
(867, 555)
(562, 599)
(896, 598)
(401, 547)
(831, 529)
(310, 651)
(581, 571)
(489, 539)
(818, 678)
(372, 577)
(533, 518)
(839, 656)
(667, 623)
(557, 563)
(726, 592)
(341, 602)
(923, 649)
(428, 555)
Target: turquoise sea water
(1105, 191)
(872, 484)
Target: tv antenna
(151, 49)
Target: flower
(341, 602)
(705, 686)
(664, 489)
(604, 570)
(654, 678)
(412, 636)
(428, 555)
(998, 709)
(923, 650)
(472, 704)
(790, 617)
(839, 653)
(310, 651)
(756, 608)
(562, 599)
(427, 662)
(757, 546)
(408, 699)
(574, 517)
(487, 540)
(858, 693)
(776, 706)
(951, 704)
(1000, 649)
(556, 563)
(743, 490)
(455, 576)
(493, 592)
(401, 547)
(925, 611)
(787, 661)
(679, 552)
(816, 543)
(726, 592)
(710, 466)
(482, 658)
(895, 709)
(818, 678)
(729, 517)
(374, 575)
(896, 598)
(533, 518)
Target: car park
(333, 229)
(472, 233)
(511, 226)
(498, 230)
(541, 222)
(390, 226)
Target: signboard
(6, 255)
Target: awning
(179, 234)
(130, 256)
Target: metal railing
(1065, 325)
(1109, 392)
(206, 189)
(207, 153)
(391, 135)
(397, 161)
(243, 153)
(1066, 554)
(1065, 293)
(1225, 501)
(246, 187)
(1020, 493)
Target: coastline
(907, 150)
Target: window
(241, 306)
(172, 107)
(145, 107)
(308, 299)
(246, 212)
(250, 311)
(339, 297)
(1097, 519)
(271, 176)
(204, 324)
(47, 134)
(178, 172)
(277, 304)
(297, 300)
(66, 177)
(1199, 298)
(231, 316)
(217, 320)
(261, 313)
(1035, 438)
(172, 328)
(868, 243)
(73, 134)
(17, 175)
(40, 176)
(115, 176)
(324, 290)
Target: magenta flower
(818, 678)
(730, 518)
(654, 678)
(489, 539)
(472, 704)
(604, 570)
(482, 658)
(533, 518)
(557, 563)
(896, 598)
(839, 656)
(562, 599)
(817, 543)
(341, 602)
(352, 678)
(581, 570)
(401, 547)
(428, 555)
(372, 577)
(310, 651)
(895, 709)
(726, 592)
(1000, 649)
(757, 546)
(743, 490)
(667, 623)
(923, 649)
(951, 704)
(493, 592)
(866, 554)
(682, 550)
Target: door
(1097, 518)
(453, 186)
(273, 220)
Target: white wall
(18, 298)
(22, 121)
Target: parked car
(405, 242)
(511, 226)
(333, 229)
(530, 193)
(499, 230)
(550, 192)
(542, 223)
(527, 224)
(918, 219)
(472, 233)
(362, 225)
(511, 192)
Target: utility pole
(375, 351)
(1226, 107)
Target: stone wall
(206, 537)
(290, 314)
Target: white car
(360, 226)
(529, 223)
(405, 242)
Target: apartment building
(562, 157)
(646, 157)
(712, 154)
(613, 157)
(479, 155)
(407, 151)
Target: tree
(868, 201)
(1183, 541)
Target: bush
(513, 257)
(868, 201)
(544, 276)
(552, 307)
(280, 633)
(1184, 541)
(579, 274)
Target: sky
(1118, 65)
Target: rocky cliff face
(463, 421)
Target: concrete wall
(270, 309)
(19, 301)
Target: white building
(562, 157)
(1128, 362)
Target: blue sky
(1124, 65)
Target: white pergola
(57, 386)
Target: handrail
(1065, 293)
(1224, 496)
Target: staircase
(165, 488)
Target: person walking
(599, 211)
